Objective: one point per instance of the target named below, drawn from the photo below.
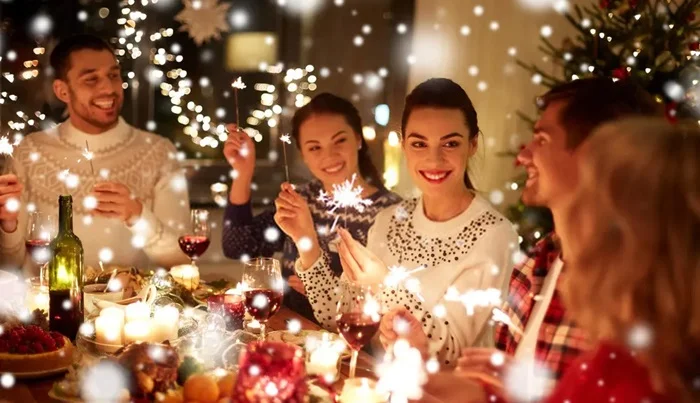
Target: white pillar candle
(114, 313)
(165, 323)
(135, 331)
(108, 330)
(187, 275)
(138, 311)
(323, 361)
(360, 390)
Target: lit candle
(38, 298)
(323, 356)
(113, 312)
(138, 311)
(108, 330)
(187, 275)
(360, 390)
(139, 330)
(165, 324)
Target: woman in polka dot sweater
(327, 131)
(462, 243)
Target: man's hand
(10, 193)
(114, 200)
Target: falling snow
(205, 22)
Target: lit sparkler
(89, 155)
(285, 140)
(402, 373)
(502, 317)
(475, 298)
(399, 275)
(237, 85)
(343, 196)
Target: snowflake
(238, 84)
(285, 139)
(343, 196)
(203, 19)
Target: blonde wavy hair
(632, 245)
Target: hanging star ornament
(203, 19)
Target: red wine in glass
(194, 246)
(357, 329)
(38, 250)
(262, 303)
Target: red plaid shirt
(559, 341)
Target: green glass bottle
(66, 274)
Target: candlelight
(138, 311)
(139, 330)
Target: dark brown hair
(329, 104)
(60, 56)
(593, 101)
(442, 93)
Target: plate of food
(28, 351)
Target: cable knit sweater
(469, 252)
(142, 161)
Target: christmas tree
(654, 43)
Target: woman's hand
(294, 218)
(359, 264)
(484, 360)
(399, 323)
(239, 151)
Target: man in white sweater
(128, 210)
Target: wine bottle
(66, 274)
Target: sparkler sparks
(345, 195)
(238, 84)
(475, 298)
(402, 373)
(6, 148)
(89, 155)
(399, 275)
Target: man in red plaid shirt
(537, 328)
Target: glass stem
(262, 331)
(353, 363)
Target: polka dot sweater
(253, 236)
(471, 252)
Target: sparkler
(237, 85)
(89, 155)
(502, 317)
(343, 196)
(399, 275)
(475, 298)
(402, 373)
(285, 140)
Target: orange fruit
(202, 388)
(226, 384)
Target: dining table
(37, 390)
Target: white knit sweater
(146, 163)
(472, 251)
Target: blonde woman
(631, 242)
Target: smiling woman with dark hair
(327, 132)
(461, 241)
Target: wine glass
(196, 241)
(41, 229)
(262, 278)
(358, 316)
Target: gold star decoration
(203, 19)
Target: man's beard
(82, 112)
